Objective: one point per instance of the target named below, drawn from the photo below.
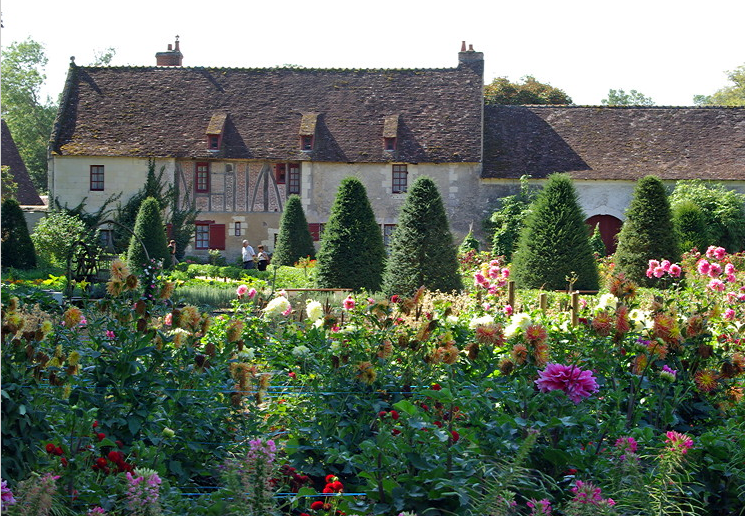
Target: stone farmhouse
(238, 142)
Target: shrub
(554, 244)
(352, 251)
(597, 244)
(647, 233)
(294, 240)
(470, 243)
(17, 247)
(149, 228)
(723, 211)
(422, 250)
(508, 221)
(690, 223)
(56, 234)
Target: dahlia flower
(575, 382)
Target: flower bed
(434, 404)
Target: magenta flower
(729, 269)
(575, 382)
(703, 267)
(716, 284)
(241, 291)
(731, 278)
(675, 270)
(665, 264)
(658, 272)
(111, 335)
(507, 310)
(714, 270)
(729, 314)
(627, 444)
(540, 507)
(668, 374)
(677, 442)
(349, 303)
(7, 496)
(252, 293)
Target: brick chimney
(471, 58)
(172, 57)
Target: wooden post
(511, 293)
(543, 301)
(575, 308)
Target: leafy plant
(17, 246)
(294, 241)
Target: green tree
(56, 235)
(621, 98)
(9, 185)
(508, 221)
(597, 244)
(422, 249)
(294, 240)
(690, 223)
(733, 95)
(28, 115)
(647, 233)
(554, 243)
(722, 209)
(17, 248)
(151, 232)
(352, 252)
(103, 57)
(529, 91)
(470, 243)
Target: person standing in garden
(262, 258)
(248, 255)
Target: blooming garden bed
(430, 405)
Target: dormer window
(307, 131)
(306, 143)
(389, 144)
(214, 142)
(215, 130)
(390, 132)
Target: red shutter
(217, 236)
(169, 231)
(315, 231)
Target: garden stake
(543, 301)
(511, 293)
(575, 308)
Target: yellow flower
(366, 373)
(74, 358)
(73, 316)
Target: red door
(609, 228)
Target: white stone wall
(69, 178)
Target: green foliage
(722, 209)
(690, 223)
(621, 98)
(294, 240)
(597, 244)
(530, 91)
(91, 220)
(733, 95)
(422, 249)
(149, 228)
(57, 234)
(29, 117)
(470, 243)
(352, 251)
(17, 248)
(9, 186)
(508, 221)
(647, 233)
(554, 243)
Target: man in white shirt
(248, 255)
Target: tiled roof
(614, 142)
(27, 194)
(164, 111)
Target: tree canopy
(529, 91)
(622, 98)
(29, 116)
(732, 95)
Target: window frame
(201, 237)
(237, 228)
(213, 142)
(96, 178)
(202, 171)
(399, 179)
(389, 144)
(293, 179)
(280, 173)
(306, 142)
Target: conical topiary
(294, 240)
(352, 254)
(647, 233)
(554, 246)
(422, 248)
(17, 247)
(690, 223)
(149, 228)
(597, 244)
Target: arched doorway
(609, 228)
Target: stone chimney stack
(471, 59)
(172, 57)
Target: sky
(667, 50)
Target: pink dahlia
(716, 285)
(703, 267)
(675, 270)
(715, 270)
(241, 291)
(575, 382)
(729, 314)
(349, 303)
